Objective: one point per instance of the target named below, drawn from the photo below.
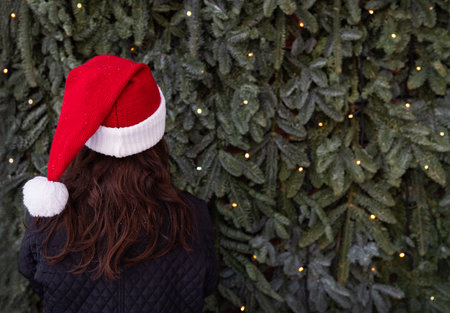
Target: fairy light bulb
(242, 308)
(79, 5)
(132, 49)
(13, 15)
(11, 160)
(350, 115)
(442, 134)
(301, 24)
(245, 102)
(5, 71)
(432, 298)
(199, 111)
(247, 155)
(320, 124)
(370, 11)
(301, 269)
(407, 105)
(418, 68)
(254, 257)
(188, 13)
(393, 35)
(373, 216)
(250, 54)
(431, 8)
(30, 101)
(300, 169)
(199, 168)
(234, 204)
(401, 254)
(202, 70)
(373, 269)
(426, 167)
(358, 162)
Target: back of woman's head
(114, 203)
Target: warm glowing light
(301, 24)
(30, 101)
(245, 102)
(199, 111)
(13, 15)
(432, 298)
(373, 216)
(301, 269)
(199, 168)
(242, 308)
(393, 35)
(373, 269)
(300, 169)
(79, 5)
(431, 8)
(370, 11)
(426, 167)
(234, 204)
(294, 74)
(5, 71)
(401, 254)
(203, 70)
(188, 13)
(254, 257)
(11, 160)
(132, 49)
(358, 162)
(407, 105)
(247, 155)
(250, 54)
(442, 134)
(350, 116)
(418, 68)
(320, 124)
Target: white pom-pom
(44, 198)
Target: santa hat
(113, 106)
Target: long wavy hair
(114, 203)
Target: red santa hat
(113, 106)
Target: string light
(203, 70)
(373, 269)
(294, 74)
(320, 124)
(426, 167)
(254, 257)
(247, 155)
(11, 160)
(350, 116)
(442, 134)
(13, 15)
(199, 168)
(431, 8)
(242, 308)
(401, 254)
(300, 169)
(432, 298)
(301, 24)
(373, 216)
(418, 68)
(188, 13)
(393, 35)
(30, 101)
(132, 49)
(370, 11)
(407, 105)
(5, 71)
(234, 204)
(245, 102)
(301, 269)
(358, 162)
(250, 54)
(79, 5)
(199, 111)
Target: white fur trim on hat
(124, 141)
(43, 197)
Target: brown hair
(112, 203)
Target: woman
(110, 233)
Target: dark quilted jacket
(175, 282)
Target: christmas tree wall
(318, 132)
